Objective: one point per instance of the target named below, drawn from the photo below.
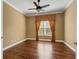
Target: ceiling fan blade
(32, 9)
(35, 4)
(45, 6)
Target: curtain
(37, 24)
(52, 26)
(51, 19)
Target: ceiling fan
(38, 7)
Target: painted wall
(31, 31)
(14, 25)
(59, 27)
(71, 25)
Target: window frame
(44, 28)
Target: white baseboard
(14, 44)
(30, 38)
(70, 47)
(44, 40)
(34, 39)
(59, 40)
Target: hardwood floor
(39, 50)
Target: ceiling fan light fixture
(38, 10)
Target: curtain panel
(51, 19)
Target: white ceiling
(56, 6)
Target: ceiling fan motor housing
(39, 7)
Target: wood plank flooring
(39, 50)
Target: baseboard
(13, 44)
(34, 39)
(70, 47)
(59, 40)
(44, 40)
(30, 38)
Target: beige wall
(71, 25)
(31, 31)
(14, 25)
(59, 27)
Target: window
(44, 29)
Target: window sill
(44, 35)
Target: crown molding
(40, 13)
(13, 7)
(68, 4)
(46, 13)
